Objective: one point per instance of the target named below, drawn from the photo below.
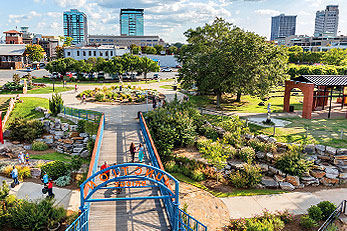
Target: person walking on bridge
(104, 166)
(132, 151)
(141, 151)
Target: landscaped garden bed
(120, 94)
(231, 155)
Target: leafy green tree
(223, 58)
(59, 52)
(100, 64)
(114, 66)
(135, 49)
(335, 56)
(55, 104)
(149, 50)
(129, 63)
(172, 50)
(159, 48)
(56, 66)
(147, 65)
(66, 40)
(35, 52)
(178, 45)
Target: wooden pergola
(317, 90)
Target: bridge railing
(181, 221)
(82, 114)
(81, 223)
(341, 208)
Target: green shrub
(307, 222)
(186, 171)
(235, 130)
(293, 162)
(315, 213)
(90, 145)
(261, 146)
(55, 104)
(24, 173)
(55, 169)
(4, 190)
(80, 126)
(63, 181)
(247, 154)
(75, 163)
(332, 227)
(198, 175)
(248, 177)
(209, 132)
(99, 96)
(327, 208)
(91, 128)
(39, 146)
(171, 166)
(25, 130)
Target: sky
(167, 18)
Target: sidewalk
(69, 199)
(295, 202)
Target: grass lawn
(41, 90)
(320, 131)
(27, 108)
(4, 102)
(55, 156)
(234, 193)
(94, 83)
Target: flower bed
(119, 94)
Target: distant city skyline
(167, 18)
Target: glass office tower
(283, 26)
(131, 22)
(75, 26)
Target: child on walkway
(132, 151)
(27, 158)
(21, 158)
(141, 151)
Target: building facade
(283, 26)
(327, 21)
(13, 37)
(131, 22)
(84, 53)
(49, 44)
(12, 56)
(75, 26)
(126, 41)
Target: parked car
(166, 69)
(132, 76)
(178, 66)
(29, 69)
(156, 76)
(42, 65)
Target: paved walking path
(295, 202)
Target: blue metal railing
(179, 219)
(82, 114)
(341, 208)
(81, 223)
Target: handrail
(341, 208)
(82, 114)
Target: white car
(166, 69)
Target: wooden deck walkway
(120, 130)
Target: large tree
(222, 58)
(147, 65)
(35, 52)
(335, 56)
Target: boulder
(85, 154)
(340, 157)
(312, 158)
(320, 149)
(35, 172)
(317, 173)
(286, 186)
(279, 178)
(73, 128)
(331, 170)
(262, 137)
(65, 127)
(331, 176)
(272, 140)
(57, 124)
(330, 150)
(269, 182)
(86, 140)
(236, 165)
(84, 135)
(310, 149)
(48, 141)
(77, 150)
(294, 180)
(328, 182)
(310, 181)
(249, 136)
(260, 155)
(68, 141)
(273, 170)
(264, 167)
(47, 115)
(73, 134)
(77, 138)
(27, 147)
(94, 137)
(6, 134)
(323, 157)
(227, 167)
(341, 151)
(269, 156)
(78, 146)
(59, 133)
(41, 109)
(343, 176)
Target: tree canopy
(222, 58)
(35, 52)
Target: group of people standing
(133, 150)
(23, 158)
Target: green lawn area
(93, 83)
(55, 156)
(4, 102)
(234, 193)
(41, 90)
(27, 108)
(248, 104)
(320, 131)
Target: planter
(56, 228)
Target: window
(78, 53)
(106, 53)
(68, 53)
(111, 53)
(84, 53)
(90, 53)
(94, 53)
(100, 53)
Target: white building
(84, 53)
(327, 21)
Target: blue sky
(166, 18)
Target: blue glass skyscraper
(131, 22)
(75, 26)
(283, 26)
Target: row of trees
(297, 70)
(157, 49)
(335, 56)
(116, 65)
(222, 58)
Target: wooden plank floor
(125, 215)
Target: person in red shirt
(50, 188)
(105, 165)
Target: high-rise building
(75, 26)
(131, 22)
(283, 26)
(327, 21)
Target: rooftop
(12, 49)
(12, 32)
(324, 80)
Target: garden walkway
(295, 202)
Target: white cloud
(267, 12)
(70, 3)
